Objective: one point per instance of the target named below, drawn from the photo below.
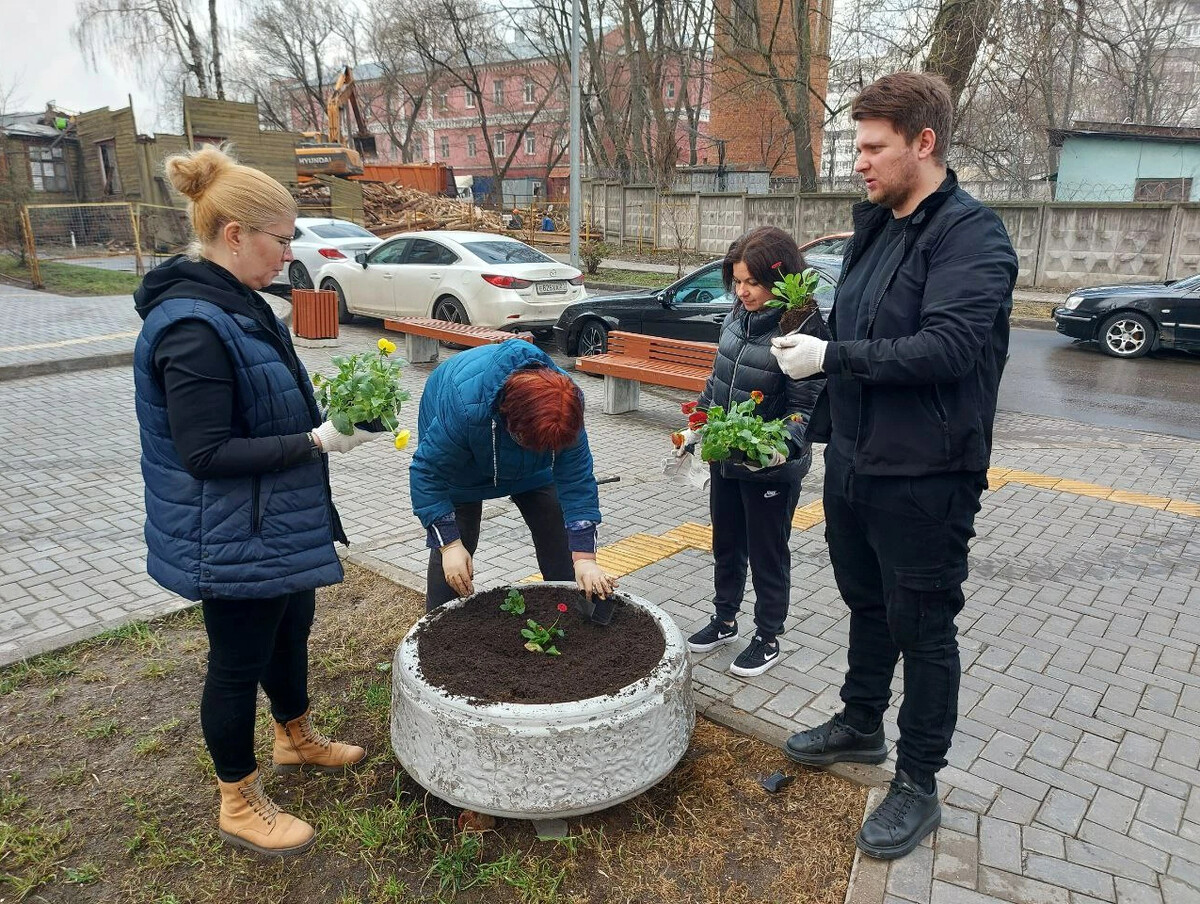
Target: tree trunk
(958, 31)
(216, 49)
(196, 64)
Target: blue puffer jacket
(233, 537)
(465, 454)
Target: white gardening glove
(799, 356)
(330, 440)
(690, 438)
(592, 580)
(777, 459)
(458, 568)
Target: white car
(319, 240)
(463, 277)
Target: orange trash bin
(315, 313)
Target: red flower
(757, 396)
(676, 440)
(698, 419)
(776, 265)
(562, 607)
(688, 407)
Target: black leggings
(252, 642)
(542, 513)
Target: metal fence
(116, 235)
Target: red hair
(542, 409)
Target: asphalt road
(1052, 375)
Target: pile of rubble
(389, 208)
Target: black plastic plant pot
(375, 426)
(736, 457)
(602, 612)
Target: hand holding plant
(365, 391)
(724, 434)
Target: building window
(499, 146)
(743, 22)
(445, 142)
(498, 91)
(469, 97)
(1162, 189)
(47, 169)
(470, 145)
(443, 101)
(529, 91)
(110, 179)
(530, 145)
(670, 90)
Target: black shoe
(756, 658)
(836, 742)
(907, 815)
(713, 635)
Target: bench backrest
(462, 333)
(700, 355)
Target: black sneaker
(836, 742)
(713, 635)
(756, 658)
(907, 815)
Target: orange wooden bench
(633, 359)
(422, 335)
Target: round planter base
(537, 761)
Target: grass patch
(71, 279)
(633, 278)
(139, 799)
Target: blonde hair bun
(194, 173)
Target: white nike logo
(770, 494)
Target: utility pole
(576, 188)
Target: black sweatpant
(252, 642)
(541, 510)
(899, 552)
(751, 525)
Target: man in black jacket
(920, 337)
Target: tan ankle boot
(298, 745)
(251, 820)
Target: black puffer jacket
(745, 363)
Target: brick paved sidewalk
(1075, 775)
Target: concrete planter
(547, 760)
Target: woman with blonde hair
(239, 513)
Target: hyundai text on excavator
(328, 153)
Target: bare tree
(140, 33)
(959, 30)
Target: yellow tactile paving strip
(629, 554)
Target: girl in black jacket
(751, 507)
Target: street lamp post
(576, 188)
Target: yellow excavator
(328, 153)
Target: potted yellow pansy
(365, 392)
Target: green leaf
(342, 422)
(527, 634)
(551, 651)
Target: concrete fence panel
(821, 214)
(1090, 244)
(721, 221)
(678, 221)
(612, 211)
(1024, 225)
(639, 213)
(1185, 252)
(771, 210)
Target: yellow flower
(386, 347)
(402, 439)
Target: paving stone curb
(64, 365)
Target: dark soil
(795, 318)
(595, 659)
(107, 795)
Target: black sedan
(690, 308)
(1129, 321)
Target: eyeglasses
(285, 241)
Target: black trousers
(252, 642)
(752, 523)
(542, 513)
(899, 552)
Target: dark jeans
(899, 552)
(752, 523)
(541, 512)
(252, 642)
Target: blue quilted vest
(233, 537)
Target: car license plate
(554, 287)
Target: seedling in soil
(514, 602)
